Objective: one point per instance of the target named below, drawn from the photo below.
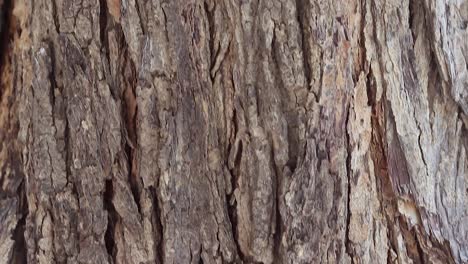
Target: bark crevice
(6, 9)
(112, 218)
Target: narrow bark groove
(6, 15)
(112, 219)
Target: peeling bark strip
(287, 131)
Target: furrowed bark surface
(232, 131)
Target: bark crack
(55, 16)
(300, 15)
(103, 26)
(131, 145)
(112, 217)
(20, 249)
(5, 20)
(233, 165)
(348, 247)
(157, 224)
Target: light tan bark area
(234, 131)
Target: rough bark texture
(234, 131)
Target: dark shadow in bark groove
(278, 221)
(20, 253)
(133, 177)
(157, 225)
(301, 20)
(211, 40)
(347, 245)
(6, 8)
(103, 20)
(234, 172)
(55, 16)
(129, 110)
(111, 219)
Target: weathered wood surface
(233, 131)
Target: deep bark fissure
(416, 254)
(53, 83)
(20, 254)
(112, 217)
(132, 176)
(55, 16)
(6, 16)
(278, 219)
(421, 254)
(412, 16)
(300, 13)
(276, 189)
(347, 241)
(103, 27)
(362, 42)
(142, 25)
(211, 40)
(158, 224)
(234, 173)
(68, 154)
(129, 117)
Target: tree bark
(234, 131)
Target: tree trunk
(234, 131)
